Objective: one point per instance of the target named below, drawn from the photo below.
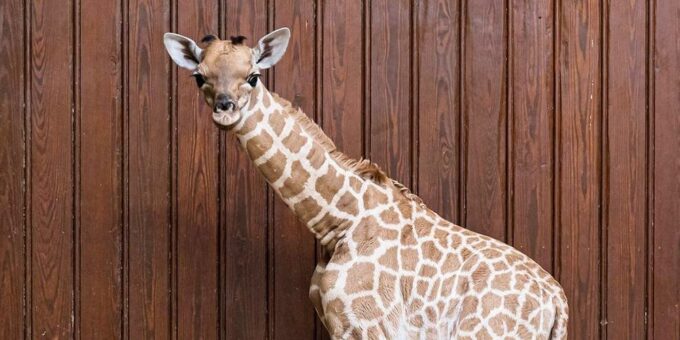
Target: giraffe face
(226, 71)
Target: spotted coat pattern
(395, 269)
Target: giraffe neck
(301, 165)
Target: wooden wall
(124, 213)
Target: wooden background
(124, 213)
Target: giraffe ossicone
(394, 268)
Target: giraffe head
(226, 71)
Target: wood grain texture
(294, 246)
(390, 87)
(626, 151)
(343, 77)
(552, 125)
(439, 106)
(579, 143)
(148, 171)
(100, 200)
(244, 193)
(665, 233)
(485, 117)
(52, 285)
(197, 189)
(12, 175)
(531, 129)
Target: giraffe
(392, 267)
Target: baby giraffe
(395, 269)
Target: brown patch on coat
(501, 282)
(355, 183)
(451, 263)
(269, 168)
(405, 208)
(296, 182)
(408, 237)
(348, 203)
(480, 276)
(328, 280)
(336, 319)
(390, 216)
(427, 271)
(422, 286)
(329, 184)
(259, 145)
(490, 301)
(409, 259)
(386, 287)
(294, 141)
(373, 197)
(316, 157)
(406, 286)
(423, 227)
(277, 122)
(359, 278)
(389, 259)
(366, 308)
(306, 209)
(431, 252)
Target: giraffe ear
(271, 48)
(183, 51)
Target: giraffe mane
(364, 168)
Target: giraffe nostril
(222, 103)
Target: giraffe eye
(200, 80)
(252, 79)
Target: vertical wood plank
(52, 172)
(390, 110)
(579, 111)
(245, 206)
(626, 165)
(100, 197)
(148, 167)
(12, 175)
(485, 107)
(197, 189)
(666, 124)
(531, 88)
(294, 246)
(342, 83)
(439, 105)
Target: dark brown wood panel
(148, 172)
(485, 117)
(244, 226)
(626, 151)
(100, 145)
(293, 244)
(390, 113)
(438, 106)
(197, 189)
(579, 118)
(531, 101)
(552, 125)
(342, 90)
(665, 231)
(52, 195)
(12, 175)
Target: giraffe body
(394, 269)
